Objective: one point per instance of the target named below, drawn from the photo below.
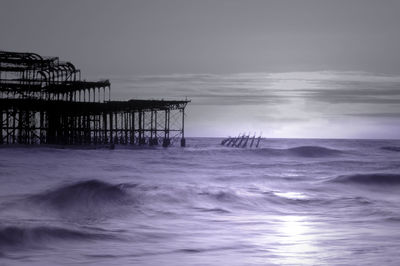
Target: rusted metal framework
(44, 101)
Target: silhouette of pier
(44, 101)
(242, 141)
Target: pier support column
(1, 126)
(116, 129)
(126, 127)
(183, 141)
(143, 129)
(111, 128)
(7, 127)
(132, 134)
(155, 128)
(105, 140)
(52, 120)
(151, 127)
(166, 141)
(140, 127)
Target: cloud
(238, 89)
(264, 88)
(283, 104)
(377, 115)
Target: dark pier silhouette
(241, 141)
(44, 101)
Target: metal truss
(44, 101)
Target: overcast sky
(208, 36)
(310, 64)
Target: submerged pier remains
(44, 101)
(242, 141)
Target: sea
(287, 202)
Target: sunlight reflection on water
(288, 240)
(291, 195)
(297, 243)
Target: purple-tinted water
(290, 202)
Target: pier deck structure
(44, 101)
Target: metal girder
(44, 101)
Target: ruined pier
(44, 101)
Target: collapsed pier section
(44, 101)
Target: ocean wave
(391, 148)
(395, 219)
(223, 202)
(86, 198)
(292, 199)
(222, 196)
(212, 210)
(314, 151)
(301, 151)
(13, 236)
(369, 179)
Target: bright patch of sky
(323, 104)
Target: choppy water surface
(291, 202)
